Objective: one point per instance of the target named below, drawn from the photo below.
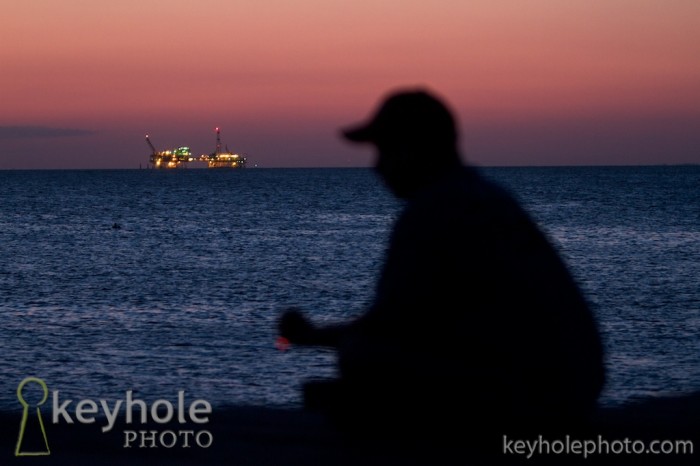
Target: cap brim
(364, 133)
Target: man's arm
(296, 328)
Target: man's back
(474, 303)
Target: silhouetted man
(475, 316)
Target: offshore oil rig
(181, 156)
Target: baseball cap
(413, 114)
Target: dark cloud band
(30, 132)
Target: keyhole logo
(32, 435)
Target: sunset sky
(533, 82)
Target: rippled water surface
(183, 294)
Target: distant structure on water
(180, 157)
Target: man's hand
(295, 327)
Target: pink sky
(533, 82)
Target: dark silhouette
(475, 315)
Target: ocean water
(161, 281)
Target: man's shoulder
(466, 204)
(465, 188)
